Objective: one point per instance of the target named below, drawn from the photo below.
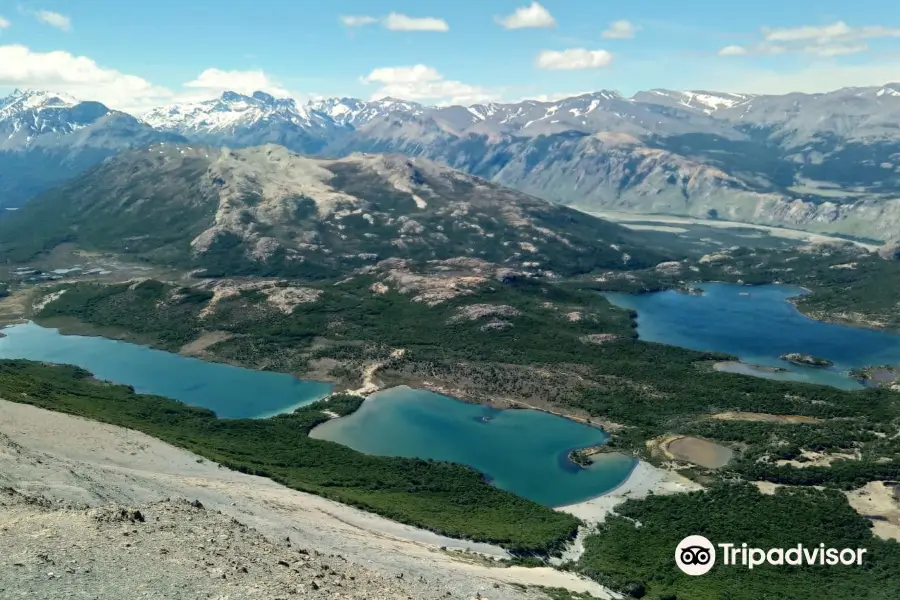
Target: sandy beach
(644, 479)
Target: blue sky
(138, 53)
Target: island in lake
(583, 457)
(805, 360)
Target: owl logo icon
(695, 555)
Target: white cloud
(533, 16)
(572, 59)
(733, 51)
(834, 39)
(4, 23)
(79, 76)
(357, 21)
(423, 83)
(771, 49)
(398, 22)
(412, 74)
(555, 97)
(823, 76)
(54, 19)
(215, 81)
(837, 31)
(836, 49)
(620, 30)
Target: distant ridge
(827, 162)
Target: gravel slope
(80, 463)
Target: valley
(532, 300)
(625, 381)
(743, 233)
(405, 335)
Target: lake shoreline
(664, 318)
(73, 327)
(223, 388)
(406, 421)
(369, 383)
(512, 404)
(644, 479)
(722, 366)
(825, 317)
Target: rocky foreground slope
(168, 549)
(65, 533)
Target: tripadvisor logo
(696, 555)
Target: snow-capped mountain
(21, 101)
(706, 102)
(25, 115)
(259, 118)
(528, 117)
(233, 112)
(600, 111)
(661, 150)
(353, 112)
(237, 120)
(47, 137)
(889, 91)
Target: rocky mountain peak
(264, 97)
(28, 114)
(238, 120)
(891, 90)
(22, 100)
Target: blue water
(521, 451)
(231, 392)
(758, 328)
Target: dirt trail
(82, 462)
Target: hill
(268, 211)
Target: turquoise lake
(758, 324)
(231, 392)
(521, 451)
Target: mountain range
(826, 162)
(47, 138)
